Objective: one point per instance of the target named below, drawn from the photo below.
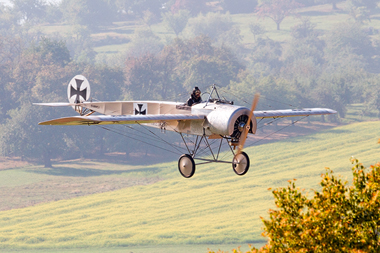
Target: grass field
(214, 207)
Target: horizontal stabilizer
(124, 119)
(293, 113)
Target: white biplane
(211, 119)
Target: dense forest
(202, 45)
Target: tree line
(97, 13)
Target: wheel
(240, 163)
(186, 166)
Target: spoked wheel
(240, 163)
(186, 166)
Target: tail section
(78, 90)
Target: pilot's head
(196, 92)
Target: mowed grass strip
(215, 206)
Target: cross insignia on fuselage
(140, 111)
(78, 92)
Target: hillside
(213, 207)
(116, 38)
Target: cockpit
(213, 97)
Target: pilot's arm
(190, 102)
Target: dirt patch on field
(11, 162)
(64, 188)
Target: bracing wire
(108, 129)
(293, 123)
(139, 134)
(268, 123)
(153, 137)
(159, 138)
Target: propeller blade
(244, 134)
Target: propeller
(245, 131)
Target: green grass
(213, 207)
(10, 178)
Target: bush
(339, 218)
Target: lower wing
(123, 119)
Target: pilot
(195, 97)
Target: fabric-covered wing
(124, 119)
(55, 104)
(292, 113)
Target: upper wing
(123, 119)
(292, 113)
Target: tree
(149, 18)
(338, 218)
(360, 14)
(30, 10)
(201, 64)
(90, 13)
(369, 4)
(266, 55)
(53, 50)
(350, 37)
(333, 2)
(136, 8)
(53, 13)
(176, 21)
(275, 89)
(139, 6)
(22, 136)
(182, 64)
(144, 41)
(256, 29)
(7, 17)
(10, 56)
(303, 55)
(80, 45)
(277, 10)
(194, 6)
(219, 27)
(143, 77)
(372, 94)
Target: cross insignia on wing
(140, 111)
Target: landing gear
(240, 163)
(186, 163)
(186, 166)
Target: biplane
(213, 119)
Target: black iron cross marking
(78, 92)
(140, 111)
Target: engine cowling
(230, 120)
